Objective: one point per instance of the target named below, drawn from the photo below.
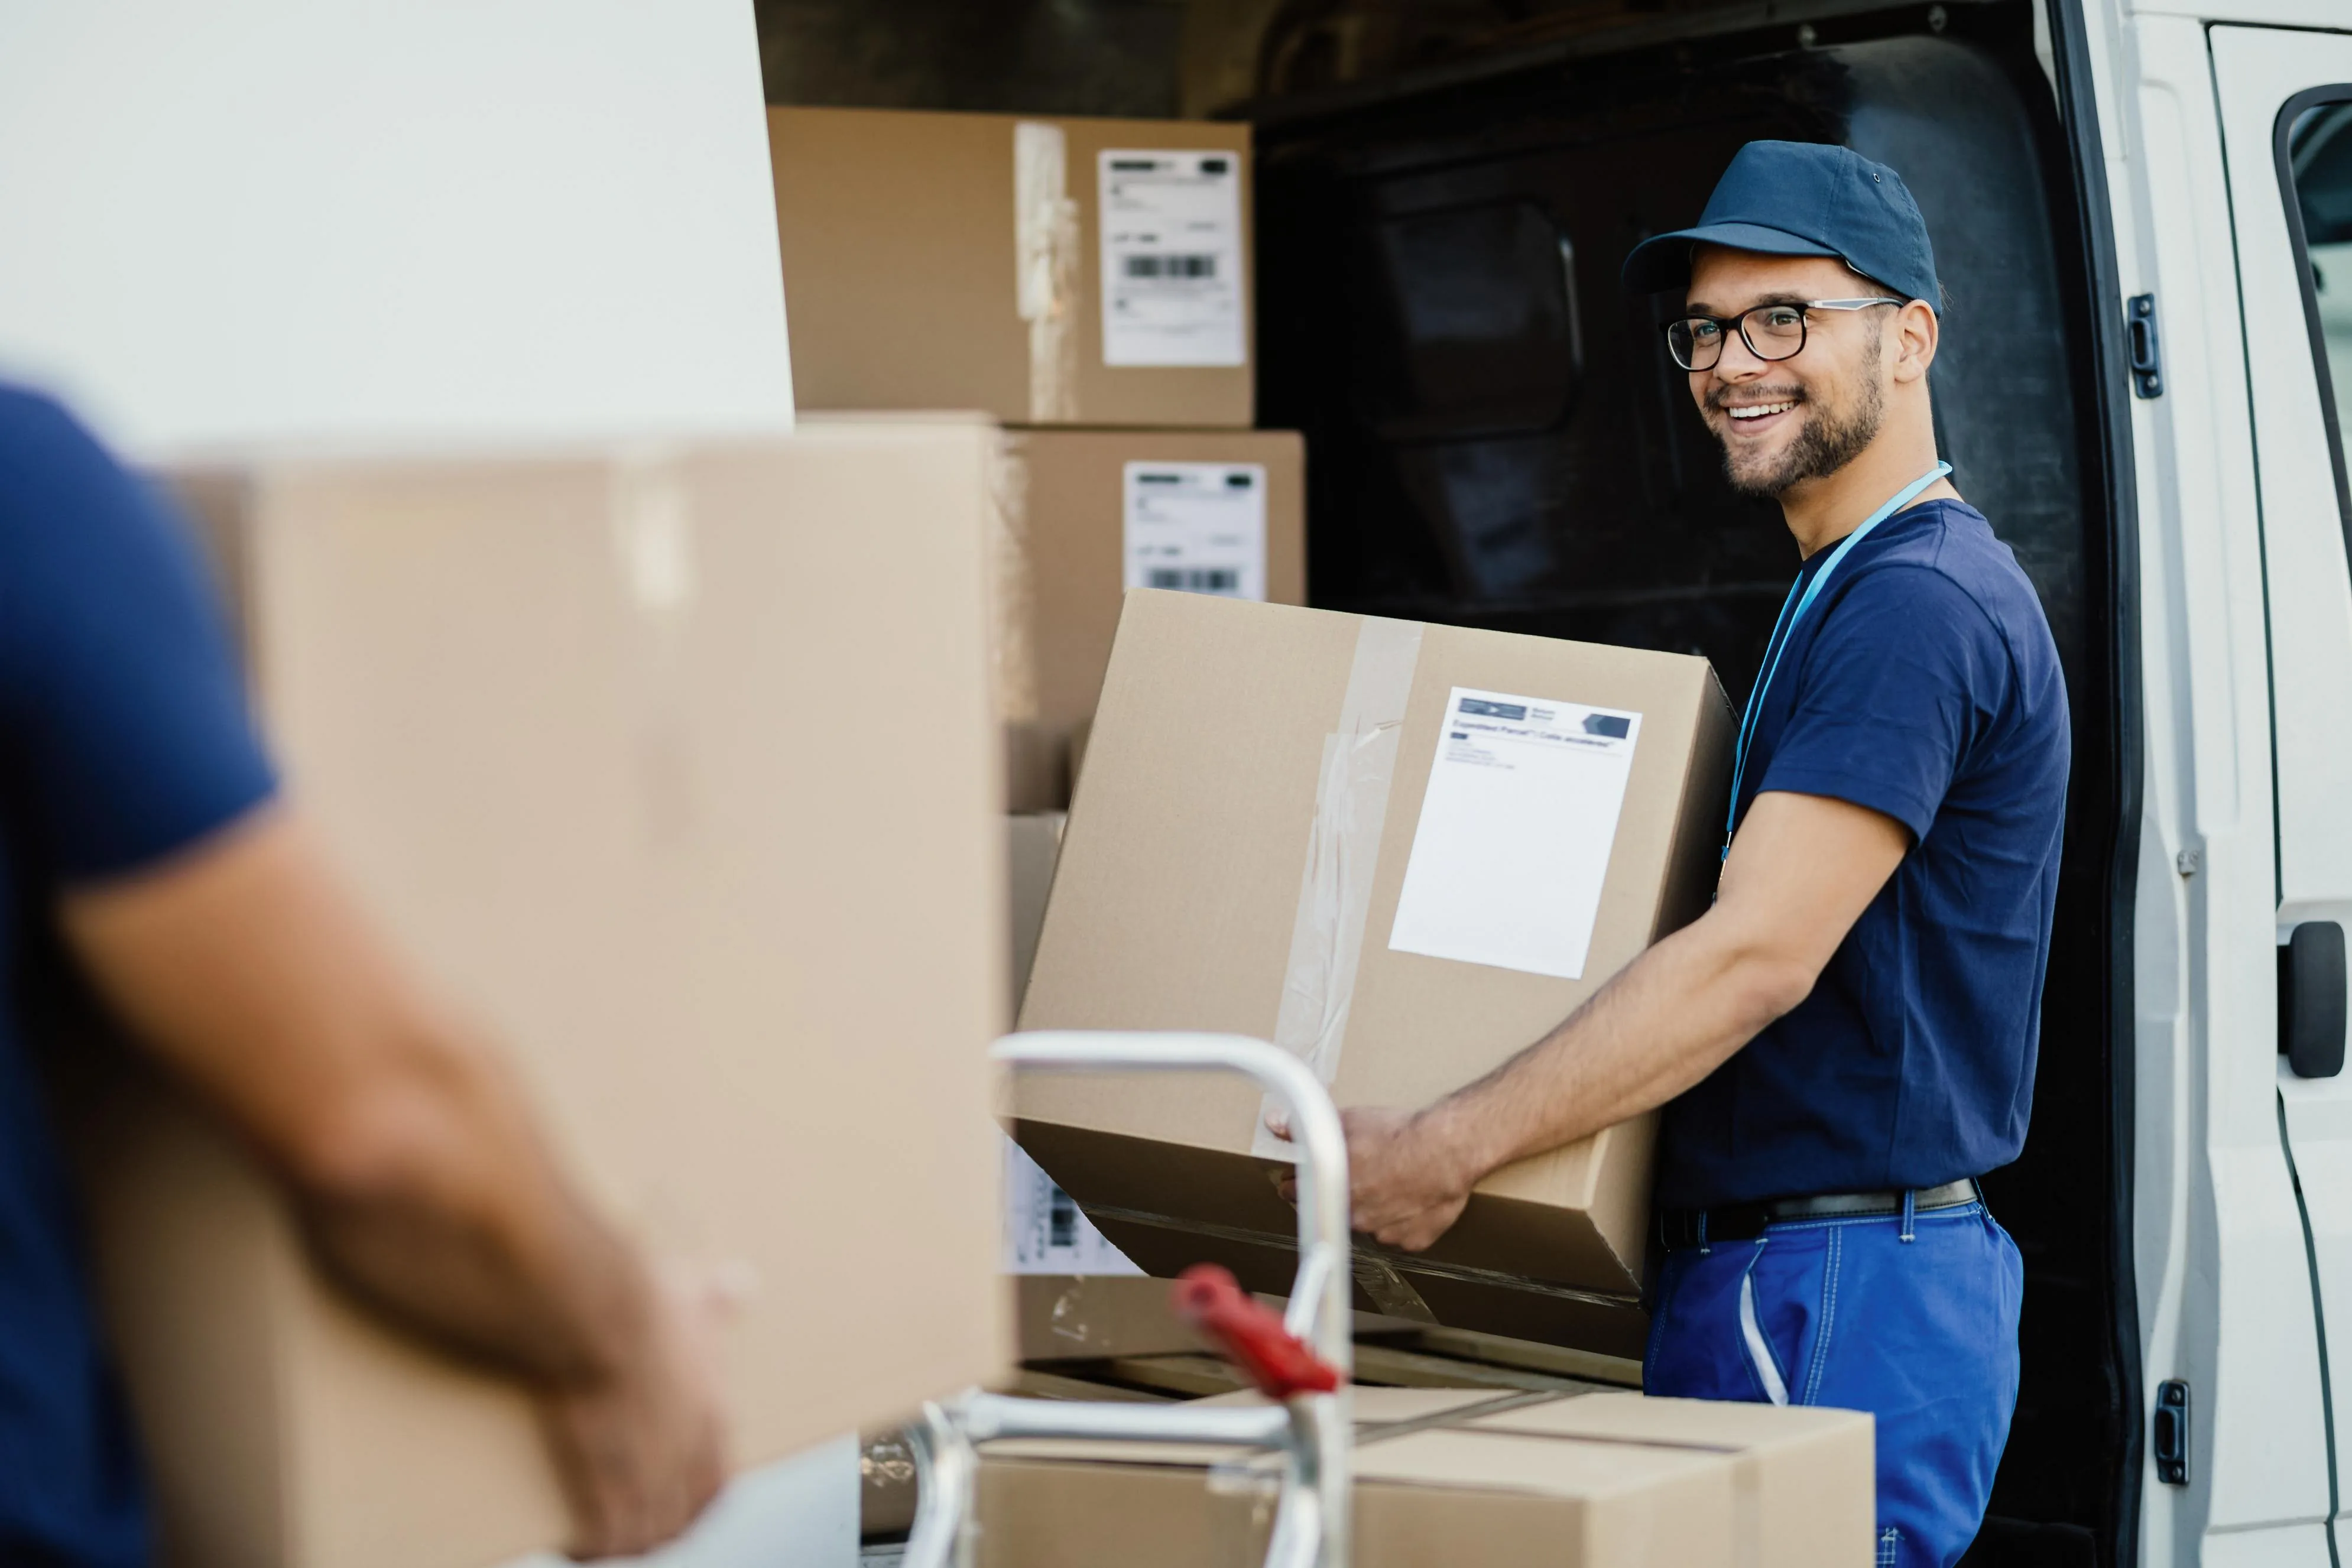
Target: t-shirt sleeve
(121, 704)
(1896, 688)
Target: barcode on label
(1171, 265)
(1196, 578)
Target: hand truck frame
(1312, 1430)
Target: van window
(2317, 167)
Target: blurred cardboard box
(1044, 271)
(1093, 1317)
(1470, 1480)
(1033, 841)
(1089, 514)
(1401, 852)
(638, 761)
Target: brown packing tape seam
(1398, 1262)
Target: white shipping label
(1044, 1231)
(1198, 527)
(1171, 258)
(1513, 843)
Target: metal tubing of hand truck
(941, 1534)
(1317, 1534)
(1323, 1317)
(988, 1417)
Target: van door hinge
(2171, 1443)
(2146, 357)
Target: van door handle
(2311, 999)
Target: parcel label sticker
(1512, 847)
(1171, 258)
(1197, 528)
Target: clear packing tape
(1335, 893)
(1045, 241)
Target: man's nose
(1738, 362)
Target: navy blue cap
(1802, 198)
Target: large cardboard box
(1044, 271)
(1470, 1481)
(677, 772)
(1402, 853)
(1088, 513)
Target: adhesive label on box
(1171, 258)
(1198, 527)
(1512, 847)
(1044, 1231)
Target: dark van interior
(1496, 436)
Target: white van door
(2285, 101)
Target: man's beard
(1825, 446)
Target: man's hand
(1407, 1184)
(642, 1449)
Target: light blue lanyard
(1784, 627)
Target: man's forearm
(406, 1145)
(465, 1231)
(1665, 1023)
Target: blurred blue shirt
(124, 738)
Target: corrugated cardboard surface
(1089, 1317)
(1173, 905)
(1064, 505)
(1592, 1482)
(1033, 841)
(899, 234)
(677, 775)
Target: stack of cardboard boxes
(1085, 283)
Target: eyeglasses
(1770, 332)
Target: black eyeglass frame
(1804, 308)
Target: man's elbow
(387, 1137)
(1771, 983)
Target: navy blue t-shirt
(123, 738)
(1922, 683)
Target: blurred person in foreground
(147, 841)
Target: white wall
(230, 221)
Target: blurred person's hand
(640, 1446)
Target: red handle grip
(1250, 1334)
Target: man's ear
(1915, 336)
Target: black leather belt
(1680, 1227)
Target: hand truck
(1302, 1359)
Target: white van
(2143, 214)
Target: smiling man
(1846, 1040)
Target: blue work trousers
(1916, 1325)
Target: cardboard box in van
(1469, 1480)
(1402, 853)
(1044, 271)
(635, 765)
(1089, 514)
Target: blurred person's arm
(414, 1162)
